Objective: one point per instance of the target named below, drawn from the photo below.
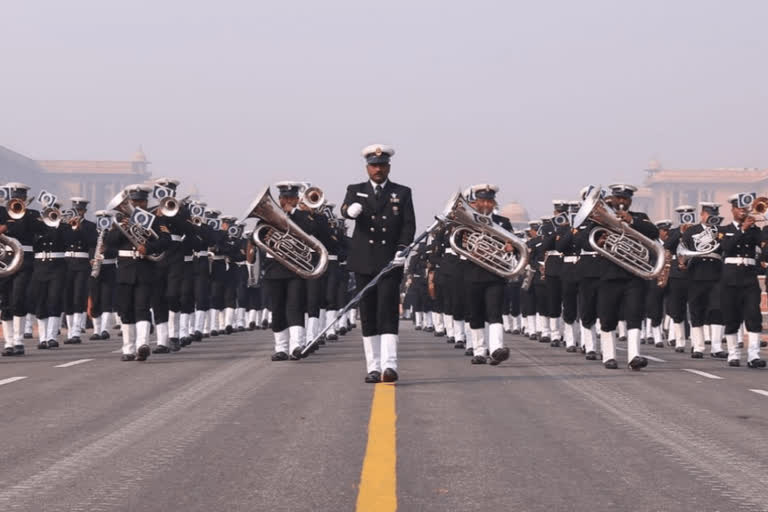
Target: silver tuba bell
(485, 240)
(625, 246)
(11, 256)
(137, 234)
(280, 237)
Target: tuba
(280, 237)
(485, 240)
(11, 256)
(625, 246)
(138, 235)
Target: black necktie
(378, 192)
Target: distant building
(96, 180)
(665, 189)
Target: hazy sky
(539, 97)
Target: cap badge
(378, 151)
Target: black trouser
(134, 301)
(254, 298)
(485, 303)
(515, 292)
(677, 299)
(76, 288)
(241, 287)
(703, 302)
(443, 288)
(18, 300)
(202, 284)
(102, 290)
(230, 288)
(554, 287)
(48, 293)
(741, 303)
(289, 301)
(570, 294)
(174, 285)
(714, 314)
(615, 293)
(187, 295)
(540, 293)
(379, 309)
(420, 296)
(333, 276)
(315, 292)
(654, 303)
(218, 284)
(528, 301)
(588, 292)
(159, 299)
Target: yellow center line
(378, 480)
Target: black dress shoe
(672, 343)
(28, 336)
(622, 338)
(175, 344)
(197, 336)
(43, 345)
(53, 344)
(332, 337)
(75, 340)
(515, 331)
(591, 356)
(128, 357)
(459, 344)
(206, 335)
(264, 324)
(756, 363)
(499, 355)
(352, 325)
(373, 378)
(19, 350)
(143, 353)
(554, 343)
(450, 339)
(707, 342)
(571, 349)
(343, 331)
(720, 355)
(8, 352)
(611, 364)
(214, 332)
(680, 350)
(478, 360)
(764, 344)
(439, 334)
(279, 356)
(95, 337)
(734, 362)
(697, 355)
(241, 329)
(321, 341)
(429, 329)
(297, 353)
(417, 328)
(638, 362)
(228, 329)
(389, 375)
(160, 349)
(660, 344)
(251, 326)
(642, 341)
(68, 341)
(544, 339)
(185, 341)
(469, 352)
(740, 344)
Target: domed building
(516, 213)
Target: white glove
(399, 260)
(354, 210)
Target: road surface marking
(11, 379)
(378, 480)
(760, 392)
(702, 374)
(72, 363)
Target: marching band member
(486, 289)
(21, 225)
(102, 285)
(528, 296)
(618, 287)
(135, 276)
(704, 273)
(49, 275)
(677, 288)
(539, 257)
(287, 289)
(553, 267)
(654, 299)
(80, 241)
(384, 224)
(740, 291)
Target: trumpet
(624, 246)
(17, 208)
(279, 236)
(483, 240)
(51, 217)
(759, 208)
(313, 198)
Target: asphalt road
(219, 427)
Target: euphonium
(483, 240)
(625, 246)
(11, 256)
(704, 244)
(138, 235)
(280, 237)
